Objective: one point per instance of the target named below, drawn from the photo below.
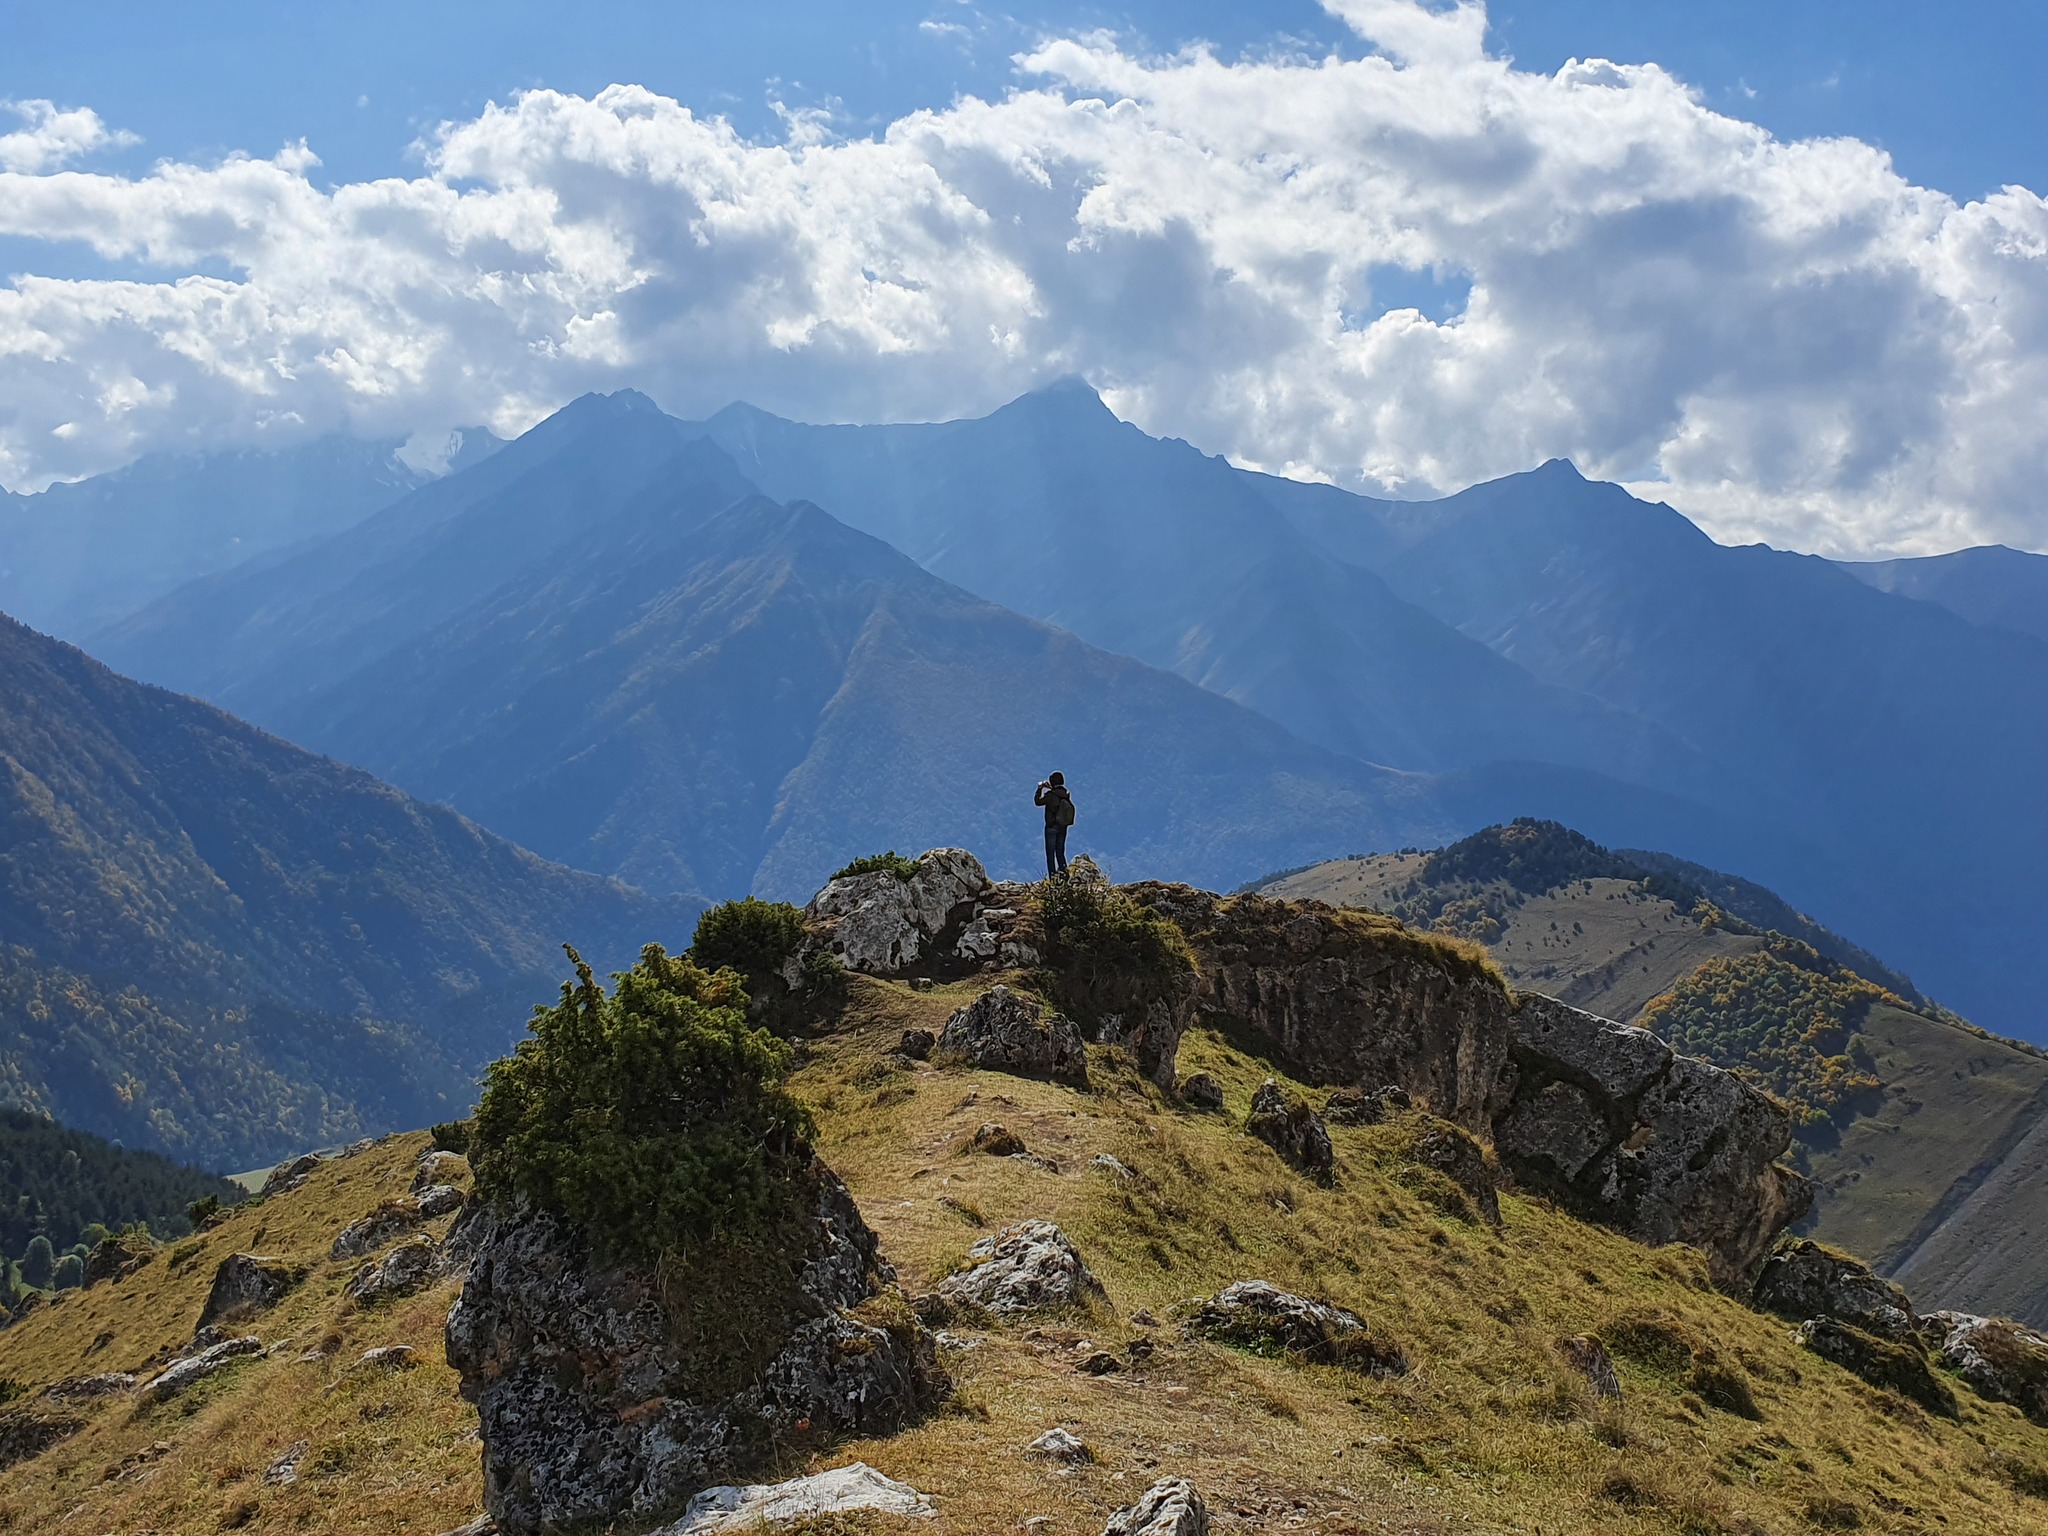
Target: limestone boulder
(189, 1370)
(1356, 1106)
(1200, 1091)
(436, 1168)
(1263, 1319)
(1170, 1507)
(393, 1219)
(1449, 1151)
(1028, 1268)
(1349, 998)
(246, 1283)
(25, 1433)
(1801, 1279)
(1290, 1127)
(848, 1490)
(405, 1269)
(291, 1173)
(112, 1258)
(883, 924)
(80, 1389)
(1007, 1031)
(1999, 1359)
(594, 1407)
(1617, 1128)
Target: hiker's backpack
(1063, 813)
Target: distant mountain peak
(1560, 469)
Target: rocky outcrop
(1170, 1507)
(82, 1389)
(1006, 1031)
(1887, 1363)
(594, 1405)
(947, 916)
(400, 1272)
(848, 1490)
(437, 1169)
(1619, 1129)
(1201, 1091)
(26, 1433)
(2000, 1360)
(1291, 1128)
(112, 1258)
(1348, 998)
(1262, 1319)
(1061, 1445)
(246, 1283)
(392, 1219)
(1028, 1268)
(1356, 1106)
(293, 1172)
(1802, 1280)
(189, 1370)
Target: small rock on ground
(1170, 1507)
(192, 1369)
(998, 1141)
(1201, 1091)
(842, 1490)
(1030, 1267)
(1058, 1444)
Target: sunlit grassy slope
(1490, 1432)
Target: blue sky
(1783, 265)
(1953, 90)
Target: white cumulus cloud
(1786, 340)
(51, 137)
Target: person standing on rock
(1059, 815)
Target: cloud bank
(1786, 340)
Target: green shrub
(202, 1210)
(1108, 954)
(873, 863)
(69, 1274)
(756, 939)
(38, 1262)
(652, 1118)
(453, 1136)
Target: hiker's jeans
(1055, 849)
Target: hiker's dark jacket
(1053, 799)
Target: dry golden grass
(1490, 1432)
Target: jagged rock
(1030, 1267)
(1201, 1091)
(1902, 1367)
(882, 925)
(841, 1491)
(1801, 1279)
(246, 1283)
(189, 1370)
(1262, 1319)
(1006, 1031)
(1618, 1129)
(292, 1173)
(998, 1141)
(77, 1389)
(1347, 997)
(26, 1433)
(1355, 1106)
(1058, 1444)
(437, 1200)
(388, 1357)
(1589, 1357)
(1170, 1507)
(1292, 1129)
(1452, 1153)
(399, 1273)
(436, 1168)
(917, 1044)
(394, 1218)
(1999, 1359)
(594, 1408)
(113, 1257)
(1112, 1166)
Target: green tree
(69, 1274)
(38, 1262)
(756, 938)
(651, 1118)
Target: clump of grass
(891, 862)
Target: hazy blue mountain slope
(748, 700)
(79, 557)
(1054, 508)
(214, 942)
(1908, 744)
(2004, 588)
(258, 638)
